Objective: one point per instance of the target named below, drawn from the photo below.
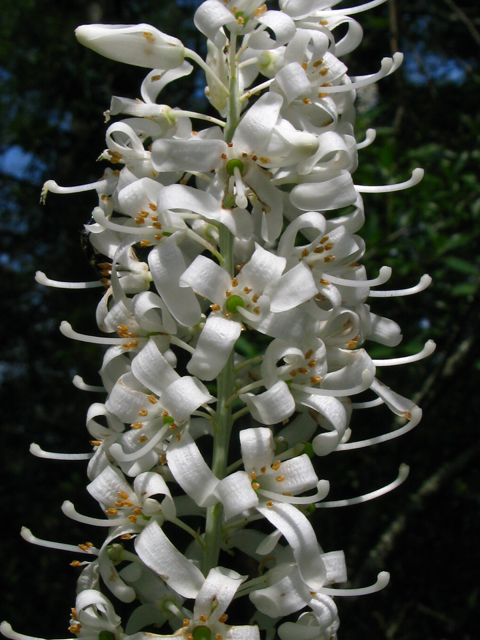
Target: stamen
(7, 631)
(80, 384)
(323, 487)
(425, 282)
(240, 197)
(417, 175)
(41, 278)
(403, 472)
(118, 453)
(427, 350)
(67, 330)
(384, 275)
(416, 416)
(37, 451)
(370, 136)
(28, 536)
(367, 379)
(69, 510)
(383, 579)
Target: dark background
(51, 126)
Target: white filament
(417, 176)
(59, 546)
(402, 476)
(415, 419)
(383, 579)
(427, 350)
(425, 282)
(41, 278)
(37, 451)
(80, 384)
(70, 511)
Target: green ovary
(233, 303)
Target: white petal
(187, 155)
(207, 278)
(167, 265)
(214, 347)
(236, 494)
(191, 471)
(254, 129)
(293, 288)
(210, 17)
(301, 537)
(159, 554)
(287, 594)
(282, 26)
(331, 194)
(257, 448)
(141, 45)
(107, 485)
(217, 592)
(272, 406)
(183, 397)
(150, 367)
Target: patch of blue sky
(421, 67)
(20, 164)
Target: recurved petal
(236, 494)
(214, 347)
(159, 554)
(272, 406)
(141, 45)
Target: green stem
(233, 112)
(222, 428)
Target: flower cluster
(245, 226)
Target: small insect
(98, 261)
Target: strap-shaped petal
(187, 155)
(150, 484)
(255, 128)
(125, 401)
(292, 82)
(298, 476)
(214, 346)
(330, 194)
(159, 554)
(153, 84)
(217, 592)
(210, 17)
(167, 265)
(141, 45)
(257, 448)
(282, 26)
(236, 494)
(150, 367)
(207, 278)
(301, 537)
(293, 288)
(286, 594)
(106, 486)
(191, 471)
(184, 396)
(262, 268)
(271, 406)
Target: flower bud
(141, 45)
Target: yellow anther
(137, 511)
(325, 283)
(136, 425)
(354, 265)
(178, 437)
(152, 399)
(352, 344)
(156, 225)
(319, 250)
(227, 314)
(318, 63)
(304, 65)
(255, 299)
(186, 622)
(143, 439)
(324, 71)
(303, 370)
(143, 214)
(73, 613)
(132, 519)
(111, 512)
(158, 236)
(145, 243)
(315, 379)
(269, 503)
(247, 290)
(305, 253)
(148, 36)
(276, 465)
(126, 536)
(256, 310)
(306, 101)
(143, 413)
(127, 503)
(263, 469)
(312, 363)
(329, 258)
(228, 293)
(119, 503)
(323, 22)
(255, 486)
(280, 478)
(202, 618)
(309, 354)
(323, 95)
(234, 282)
(329, 246)
(75, 628)
(75, 563)
(253, 475)
(215, 307)
(152, 206)
(139, 221)
(155, 78)
(223, 618)
(95, 443)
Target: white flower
(141, 45)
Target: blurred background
(53, 94)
